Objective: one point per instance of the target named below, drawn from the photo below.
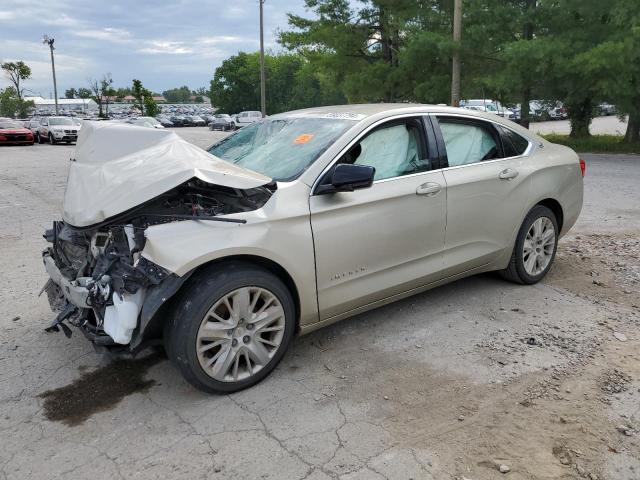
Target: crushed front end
(100, 282)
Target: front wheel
(535, 247)
(231, 327)
(51, 140)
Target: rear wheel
(231, 327)
(535, 247)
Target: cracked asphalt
(443, 385)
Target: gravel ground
(466, 381)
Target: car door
(488, 190)
(42, 129)
(377, 242)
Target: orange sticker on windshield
(304, 138)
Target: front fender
(279, 232)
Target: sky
(164, 43)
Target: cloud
(4, 16)
(132, 40)
(107, 34)
(157, 47)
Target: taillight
(583, 167)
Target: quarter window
(468, 142)
(394, 150)
(514, 144)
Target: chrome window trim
(414, 115)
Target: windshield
(60, 121)
(281, 148)
(150, 120)
(9, 124)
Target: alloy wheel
(240, 334)
(539, 245)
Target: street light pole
(455, 68)
(49, 41)
(263, 102)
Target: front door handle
(429, 189)
(508, 174)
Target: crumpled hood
(118, 167)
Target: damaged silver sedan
(294, 223)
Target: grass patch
(595, 143)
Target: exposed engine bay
(99, 280)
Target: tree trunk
(525, 114)
(580, 115)
(527, 34)
(633, 128)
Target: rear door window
(469, 141)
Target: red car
(13, 133)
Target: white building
(78, 105)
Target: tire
(523, 268)
(51, 140)
(204, 291)
(38, 138)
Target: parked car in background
(13, 132)
(33, 125)
(196, 121)
(226, 255)
(164, 121)
(607, 109)
(222, 121)
(57, 129)
(178, 120)
(542, 111)
(149, 122)
(487, 105)
(247, 118)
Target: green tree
(13, 102)
(137, 91)
(614, 64)
(177, 95)
(16, 72)
(144, 99)
(11, 105)
(362, 42)
(70, 93)
(84, 93)
(150, 106)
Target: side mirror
(347, 178)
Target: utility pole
(455, 68)
(49, 41)
(263, 102)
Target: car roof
(361, 112)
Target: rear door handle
(429, 189)
(508, 174)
